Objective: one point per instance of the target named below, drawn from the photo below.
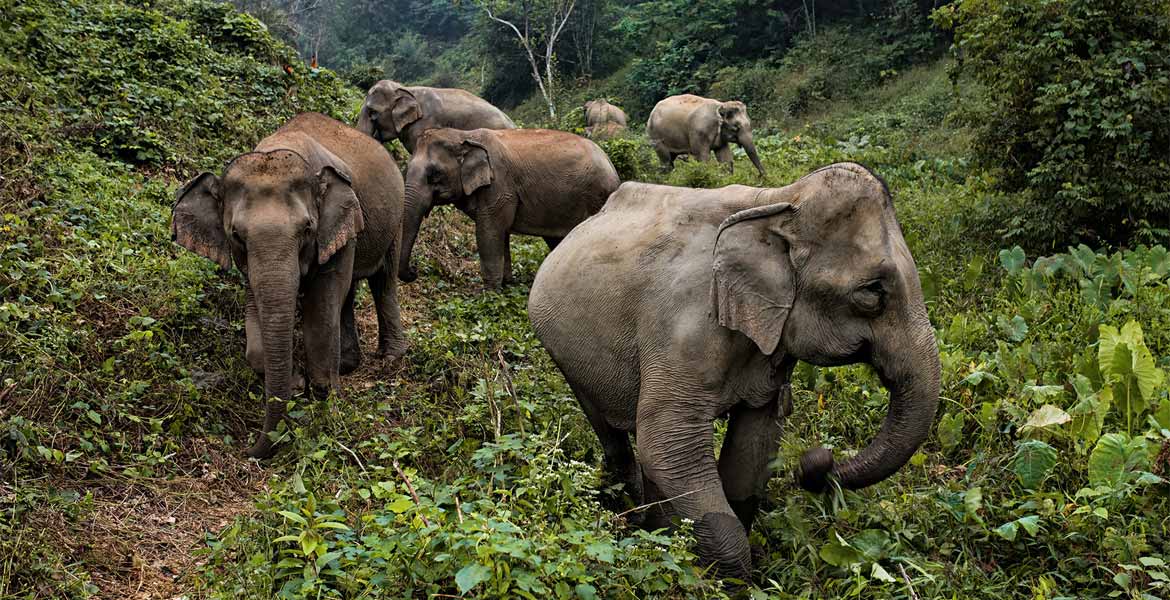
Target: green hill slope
(467, 468)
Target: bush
(1078, 101)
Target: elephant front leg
(322, 305)
(723, 154)
(391, 337)
(508, 277)
(676, 450)
(351, 350)
(492, 239)
(753, 435)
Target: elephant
(603, 120)
(673, 307)
(393, 111)
(694, 125)
(529, 181)
(316, 207)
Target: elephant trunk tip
(815, 466)
(408, 274)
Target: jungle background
(1027, 145)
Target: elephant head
(447, 167)
(734, 126)
(278, 219)
(822, 274)
(389, 108)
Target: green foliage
(1077, 98)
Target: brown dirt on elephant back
(139, 537)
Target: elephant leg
(675, 447)
(255, 346)
(391, 337)
(552, 242)
(701, 151)
(620, 466)
(508, 277)
(658, 513)
(492, 240)
(322, 305)
(351, 350)
(723, 154)
(753, 435)
(664, 156)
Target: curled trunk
(275, 287)
(909, 368)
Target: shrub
(1078, 95)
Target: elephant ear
(754, 279)
(406, 110)
(339, 212)
(197, 219)
(475, 167)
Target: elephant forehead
(277, 164)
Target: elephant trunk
(418, 205)
(365, 124)
(275, 287)
(749, 146)
(909, 368)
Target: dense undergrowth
(467, 468)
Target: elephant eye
(870, 298)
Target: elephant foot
(350, 361)
(723, 542)
(391, 350)
(262, 449)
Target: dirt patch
(138, 538)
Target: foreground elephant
(529, 181)
(392, 111)
(694, 125)
(675, 306)
(315, 208)
(603, 120)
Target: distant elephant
(675, 306)
(314, 208)
(529, 181)
(694, 125)
(393, 111)
(603, 120)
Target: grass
(467, 467)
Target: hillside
(467, 468)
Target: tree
(1076, 113)
(536, 23)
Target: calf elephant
(393, 111)
(603, 120)
(314, 208)
(694, 125)
(530, 181)
(674, 306)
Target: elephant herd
(665, 308)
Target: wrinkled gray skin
(603, 120)
(675, 306)
(530, 181)
(392, 111)
(697, 126)
(315, 208)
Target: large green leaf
(839, 553)
(950, 430)
(1045, 417)
(1116, 460)
(1033, 460)
(471, 576)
